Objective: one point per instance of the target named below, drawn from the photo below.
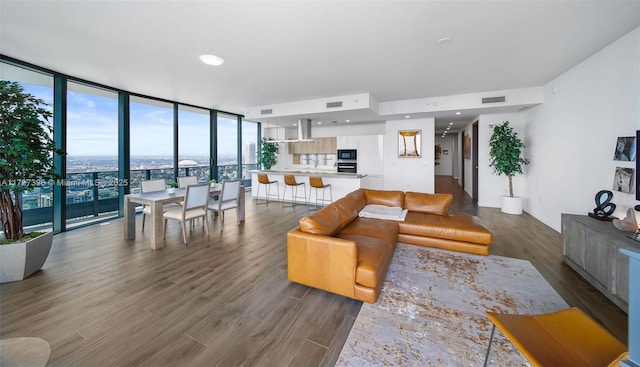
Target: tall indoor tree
(26, 152)
(506, 152)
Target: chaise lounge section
(337, 251)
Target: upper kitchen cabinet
(317, 146)
(347, 142)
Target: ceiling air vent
(334, 104)
(493, 99)
(266, 112)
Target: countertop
(312, 173)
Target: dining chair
(194, 206)
(147, 186)
(185, 181)
(228, 199)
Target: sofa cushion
(325, 222)
(465, 228)
(346, 210)
(381, 229)
(427, 203)
(383, 197)
(374, 256)
(358, 198)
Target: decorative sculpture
(628, 223)
(604, 207)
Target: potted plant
(506, 159)
(268, 153)
(26, 162)
(172, 186)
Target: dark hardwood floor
(225, 300)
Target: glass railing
(94, 195)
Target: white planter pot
(511, 205)
(21, 259)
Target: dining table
(156, 201)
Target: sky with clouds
(92, 126)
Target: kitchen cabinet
(347, 142)
(371, 154)
(317, 146)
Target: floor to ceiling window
(37, 205)
(151, 133)
(94, 115)
(193, 142)
(92, 153)
(249, 149)
(227, 147)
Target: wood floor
(225, 300)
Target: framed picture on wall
(409, 143)
(467, 146)
(623, 180)
(625, 149)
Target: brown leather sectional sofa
(339, 252)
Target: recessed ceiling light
(449, 128)
(319, 122)
(457, 113)
(212, 60)
(451, 123)
(295, 125)
(348, 120)
(444, 41)
(407, 116)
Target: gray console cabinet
(592, 248)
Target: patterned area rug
(432, 310)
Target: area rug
(432, 310)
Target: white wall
(409, 174)
(492, 187)
(342, 129)
(571, 136)
(445, 168)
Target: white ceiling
(289, 51)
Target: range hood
(304, 133)
(304, 130)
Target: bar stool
(290, 180)
(263, 179)
(316, 183)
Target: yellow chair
(290, 181)
(316, 183)
(565, 338)
(263, 179)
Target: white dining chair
(228, 199)
(194, 206)
(147, 186)
(185, 181)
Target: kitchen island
(341, 183)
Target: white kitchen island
(341, 183)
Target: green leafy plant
(506, 152)
(26, 152)
(213, 180)
(172, 184)
(268, 153)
